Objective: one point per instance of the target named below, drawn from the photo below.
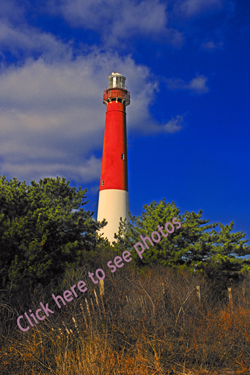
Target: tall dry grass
(144, 324)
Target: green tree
(43, 230)
(196, 245)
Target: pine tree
(196, 245)
(44, 230)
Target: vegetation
(196, 245)
(144, 324)
(168, 313)
(44, 230)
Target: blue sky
(187, 67)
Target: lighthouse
(113, 195)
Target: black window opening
(123, 156)
(102, 182)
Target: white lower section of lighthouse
(113, 204)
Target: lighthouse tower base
(113, 205)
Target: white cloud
(197, 84)
(119, 20)
(22, 40)
(85, 172)
(10, 10)
(194, 7)
(52, 117)
(174, 125)
(28, 41)
(210, 45)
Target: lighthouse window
(123, 156)
(102, 182)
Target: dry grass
(142, 325)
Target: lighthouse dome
(117, 80)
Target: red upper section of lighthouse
(121, 95)
(114, 174)
(114, 161)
